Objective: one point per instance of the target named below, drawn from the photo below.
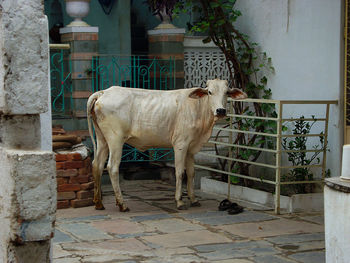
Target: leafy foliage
(159, 6)
(298, 155)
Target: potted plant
(163, 9)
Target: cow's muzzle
(221, 113)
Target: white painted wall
(304, 40)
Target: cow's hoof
(123, 208)
(99, 207)
(196, 204)
(182, 207)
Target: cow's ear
(198, 93)
(237, 94)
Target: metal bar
(325, 143)
(301, 166)
(251, 117)
(238, 160)
(278, 160)
(304, 119)
(59, 46)
(302, 135)
(287, 101)
(247, 132)
(234, 174)
(243, 146)
(303, 182)
(230, 154)
(301, 151)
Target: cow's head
(217, 91)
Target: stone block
(17, 132)
(24, 88)
(30, 196)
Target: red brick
(83, 171)
(74, 157)
(63, 204)
(73, 164)
(85, 194)
(65, 196)
(81, 202)
(73, 180)
(83, 178)
(68, 187)
(87, 162)
(61, 157)
(59, 165)
(67, 173)
(61, 180)
(87, 186)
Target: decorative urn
(77, 9)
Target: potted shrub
(163, 9)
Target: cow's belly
(148, 139)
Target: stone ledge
(337, 184)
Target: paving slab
(309, 257)
(61, 237)
(66, 260)
(185, 239)
(58, 252)
(271, 228)
(303, 246)
(319, 219)
(150, 217)
(108, 259)
(232, 246)
(119, 227)
(272, 259)
(172, 225)
(84, 232)
(291, 239)
(84, 218)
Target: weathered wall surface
(304, 40)
(27, 185)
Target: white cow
(182, 119)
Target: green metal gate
(136, 72)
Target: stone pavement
(155, 232)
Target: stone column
(83, 46)
(28, 183)
(168, 43)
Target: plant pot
(166, 23)
(77, 9)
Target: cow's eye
(209, 92)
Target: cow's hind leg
(113, 170)
(180, 156)
(190, 179)
(97, 169)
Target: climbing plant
(248, 68)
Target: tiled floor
(155, 232)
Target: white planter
(294, 203)
(77, 9)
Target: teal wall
(114, 29)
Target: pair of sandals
(231, 208)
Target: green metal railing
(135, 72)
(277, 152)
(132, 71)
(60, 74)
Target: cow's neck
(207, 118)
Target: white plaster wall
(304, 40)
(337, 227)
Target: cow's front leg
(180, 156)
(190, 179)
(113, 170)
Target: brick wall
(75, 186)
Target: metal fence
(277, 151)
(132, 71)
(60, 77)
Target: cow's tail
(91, 115)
